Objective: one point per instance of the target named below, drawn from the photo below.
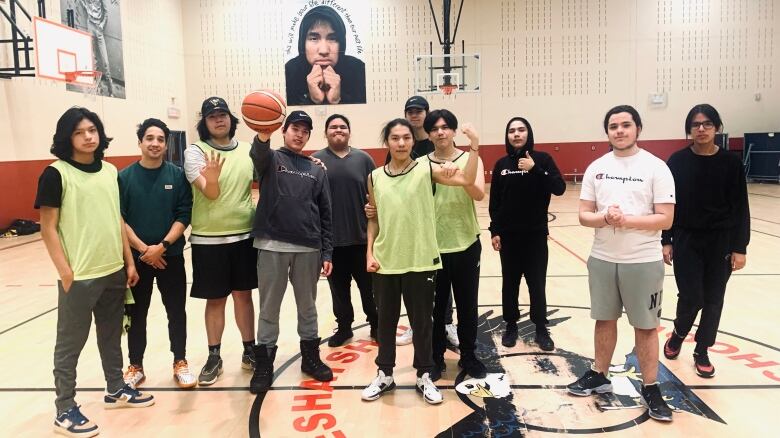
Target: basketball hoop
(84, 81)
(448, 89)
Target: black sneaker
(211, 371)
(672, 346)
(341, 336)
(248, 359)
(543, 339)
(439, 368)
(704, 367)
(510, 335)
(472, 366)
(656, 406)
(589, 383)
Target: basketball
(263, 110)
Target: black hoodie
(519, 200)
(351, 69)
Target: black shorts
(218, 270)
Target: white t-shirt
(634, 183)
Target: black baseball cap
(212, 104)
(298, 117)
(416, 102)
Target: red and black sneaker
(673, 346)
(703, 365)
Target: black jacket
(294, 204)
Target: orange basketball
(263, 110)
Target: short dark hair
(623, 109)
(437, 114)
(385, 135)
(334, 117)
(148, 123)
(708, 110)
(203, 130)
(62, 145)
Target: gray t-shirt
(348, 188)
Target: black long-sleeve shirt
(519, 200)
(711, 194)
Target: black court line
(764, 220)
(762, 194)
(25, 322)
(357, 388)
(20, 244)
(766, 234)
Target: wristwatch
(165, 244)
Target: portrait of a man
(323, 73)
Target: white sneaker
(379, 386)
(134, 376)
(452, 334)
(183, 376)
(428, 390)
(405, 338)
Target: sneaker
(341, 336)
(589, 383)
(472, 366)
(380, 385)
(439, 368)
(73, 423)
(672, 346)
(127, 397)
(543, 339)
(656, 406)
(182, 374)
(405, 338)
(428, 390)
(452, 334)
(134, 376)
(510, 335)
(211, 371)
(704, 367)
(247, 360)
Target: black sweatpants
(172, 283)
(524, 256)
(460, 271)
(417, 289)
(702, 267)
(350, 262)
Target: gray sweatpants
(273, 269)
(105, 297)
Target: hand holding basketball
(263, 111)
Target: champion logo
(505, 172)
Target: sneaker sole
(671, 356)
(66, 432)
(427, 400)
(124, 404)
(185, 385)
(210, 382)
(388, 388)
(705, 375)
(586, 392)
(656, 417)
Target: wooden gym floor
(739, 401)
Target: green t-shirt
(232, 212)
(406, 215)
(457, 227)
(153, 199)
(89, 221)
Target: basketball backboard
(434, 73)
(60, 50)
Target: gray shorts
(636, 286)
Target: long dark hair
(62, 145)
(709, 111)
(529, 144)
(385, 135)
(203, 130)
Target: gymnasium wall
(560, 63)
(29, 107)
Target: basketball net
(89, 83)
(448, 89)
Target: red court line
(567, 249)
